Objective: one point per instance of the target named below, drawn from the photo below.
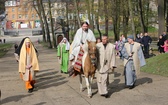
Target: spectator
(4, 40)
(146, 41)
(165, 36)
(160, 44)
(138, 39)
(165, 46)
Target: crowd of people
(145, 41)
(132, 51)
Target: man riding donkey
(82, 35)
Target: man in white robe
(106, 62)
(82, 35)
(133, 60)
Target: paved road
(54, 88)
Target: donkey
(89, 62)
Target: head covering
(17, 51)
(130, 37)
(23, 56)
(67, 43)
(138, 35)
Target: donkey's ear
(88, 41)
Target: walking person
(146, 41)
(63, 54)
(106, 62)
(133, 60)
(28, 62)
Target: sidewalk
(54, 88)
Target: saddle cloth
(78, 63)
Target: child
(165, 46)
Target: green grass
(157, 65)
(4, 48)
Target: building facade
(21, 15)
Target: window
(13, 16)
(19, 9)
(9, 3)
(13, 9)
(32, 15)
(26, 9)
(26, 16)
(36, 15)
(20, 16)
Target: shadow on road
(49, 78)
(41, 103)
(116, 86)
(15, 98)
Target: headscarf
(67, 43)
(23, 56)
(17, 51)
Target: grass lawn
(157, 65)
(4, 49)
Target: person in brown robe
(106, 62)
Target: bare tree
(37, 7)
(51, 23)
(89, 13)
(97, 18)
(46, 24)
(106, 16)
(161, 17)
(131, 17)
(77, 12)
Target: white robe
(102, 74)
(80, 37)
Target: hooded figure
(28, 62)
(63, 54)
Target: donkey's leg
(91, 79)
(88, 87)
(80, 79)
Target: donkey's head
(92, 52)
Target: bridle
(93, 60)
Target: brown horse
(89, 62)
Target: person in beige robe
(28, 63)
(133, 60)
(106, 62)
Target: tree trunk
(77, 13)
(131, 17)
(46, 25)
(89, 14)
(125, 13)
(106, 16)
(67, 11)
(116, 18)
(167, 16)
(97, 19)
(41, 20)
(161, 16)
(51, 23)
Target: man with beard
(82, 35)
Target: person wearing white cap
(133, 60)
(63, 54)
